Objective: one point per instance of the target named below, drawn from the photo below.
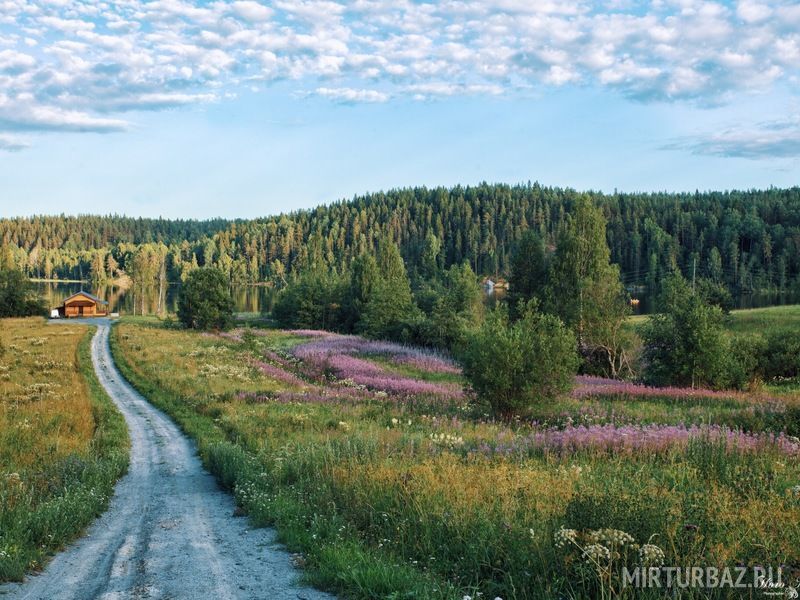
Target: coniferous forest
(747, 240)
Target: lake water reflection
(257, 299)
(251, 298)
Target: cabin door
(80, 311)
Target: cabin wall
(89, 310)
(83, 306)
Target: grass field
(753, 320)
(372, 463)
(760, 320)
(62, 443)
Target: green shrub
(205, 300)
(781, 355)
(513, 366)
(312, 301)
(685, 344)
(18, 297)
(744, 361)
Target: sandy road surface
(169, 532)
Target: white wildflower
(564, 537)
(596, 553)
(651, 555)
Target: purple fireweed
(232, 336)
(352, 345)
(287, 363)
(341, 356)
(311, 332)
(599, 386)
(427, 362)
(277, 373)
(634, 438)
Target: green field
(421, 495)
(754, 320)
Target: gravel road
(170, 531)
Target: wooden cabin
(83, 304)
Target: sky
(241, 108)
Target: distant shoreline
(40, 280)
(116, 283)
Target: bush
(205, 300)
(312, 301)
(744, 361)
(685, 344)
(715, 294)
(781, 355)
(18, 298)
(513, 366)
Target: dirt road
(169, 532)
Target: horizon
(389, 190)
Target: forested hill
(95, 232)
(748, 239)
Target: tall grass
(63, 444)
(394, 498)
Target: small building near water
(83, 304)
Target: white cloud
(11, 60)
(17, 114)
(351, 95)
(441, 88)
(752, 12)
(251, 11)
(776, 139)
(12, 144)
(77, 63)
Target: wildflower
(446, 440)
(651, 555)
(394, 422)
(596, 553)
(344, 426)
(564, 537)
(611, 537)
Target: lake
(647, 300)
(251, 298)
(257, 299)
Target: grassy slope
(48, 501)
(380, 512)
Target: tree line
(566, 312)
(745, 240)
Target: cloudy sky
(200, 108)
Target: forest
(746, 240)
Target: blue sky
(242, 109)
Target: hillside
(746, 239)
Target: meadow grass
(750, 320)
(761, 320)
(63, 444)
(403, 496)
